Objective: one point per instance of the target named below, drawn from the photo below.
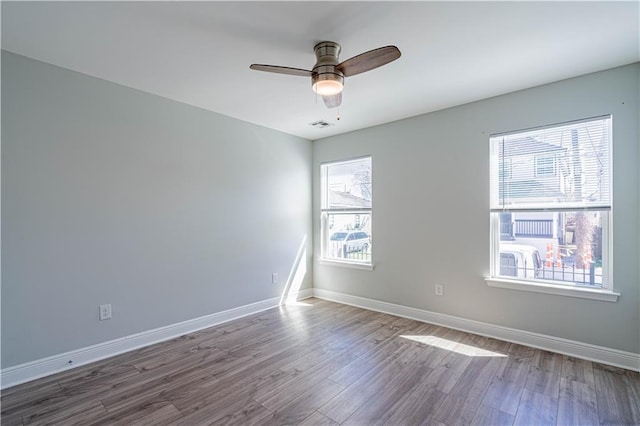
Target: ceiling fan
(327, 75)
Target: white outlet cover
(105, 312)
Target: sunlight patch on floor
(450, 345)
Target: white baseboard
(617, 358)
(53, 364)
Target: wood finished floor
(325, 364)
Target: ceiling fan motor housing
(327, 75)
(326, 60)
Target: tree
(584, 223)
(362, 180)
(584, 239)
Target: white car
(518, 260)
(344, 242)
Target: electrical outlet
(105, 312)
(274, 278)
(439, 290)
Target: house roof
(527, 146)
(346, 200)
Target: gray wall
(431, 210)
(111, 195)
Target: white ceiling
(199, 52)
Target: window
(346, 211)
(550, 212)
(545, 165)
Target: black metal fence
(591, 276)
(340, 250)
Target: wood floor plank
(377, 409)
(161, 389)
(129, 359)
(416, 407)
(303, 405)
(536, 409)
(455, 410)
(544, 373)
(20, 399)
(325, 363)
(445, 375)
(17, 394)
(503, 396)
(372, 354)
(238, 339)
(491, 416)
(496, 347)
(264, 372)
(193, 370)
(460, 405)
(213, 409)
(365, 363)
(11, 419)
(99, 377)
(506, 388)
(76, 415)
(617, 404)
(304, 380)
(366, 388)
(633, 392)
(578, 370)
(577, 403)
(317, 419)
(248, 415)
(146, 414)
(60, 402)
(228, 398)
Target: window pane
(346, 210)
(348, 237)
(557, 246)
(347, 184)
(565, 166)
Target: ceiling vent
(320, 124)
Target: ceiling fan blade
(281, 70)
(332, 101)
(369, 60)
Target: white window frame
(604, 293)
(324, 219)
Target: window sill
(345, 264)
(560, 290)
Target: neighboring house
(531, 171)
(538, 172)
(346, 200)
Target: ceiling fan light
(327, 87)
